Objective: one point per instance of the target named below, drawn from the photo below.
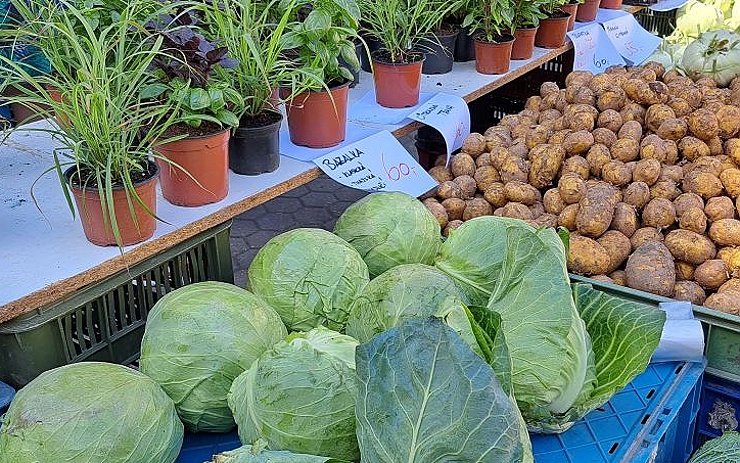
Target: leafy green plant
(490, 18)
(94, 93)
(402, 26)
(528, 13)
(550, 7)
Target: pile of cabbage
(379, 342)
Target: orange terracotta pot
(318, 119)
(198, 171)
(493, 57)
(56, 95)
(571, 9)
(523, 47)
(587, 10)
(551, 33)
(611, 4)
(132, 228)
(397, 85)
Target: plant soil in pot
(523, 47)
(132, 228)
(254, 146)
(611, 4)
(552, 30)
(464, 46)
(571, 9)
(587, 10)
(397, 85)
(198, 171)
(493, 57)
(318, 119)
(439, 52)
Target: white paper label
(377, 163)
(448, 114)
(593, 50)
(633, 42)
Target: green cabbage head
(390, 229)
(91, 412)
(257, 453)
(198, 339)
(310, 276)
(299, 396)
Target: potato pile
(641, 165)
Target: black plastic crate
(660, 23)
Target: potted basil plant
(491, 22)
(552, 30)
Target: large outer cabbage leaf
(390, 229)
(200, 337)
(405, 292)
(258, 454)
(91, 412)
(723, 449)
(425, 397)
(519, 272)
(300, 396)
(310, 276)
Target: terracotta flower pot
(551, 33)
(587, 10)
(56, 95)
(611, 4)
(318, 119)
(493, 57)
(397, 85)
(132, 228)
(571, 9)
(523, 47)
(198, 171)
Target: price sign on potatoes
(449, 114)
(633, 42)
(593, 50)
(377, 163)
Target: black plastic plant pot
(465, 46)
(439, 53)
(373, 44)
(254, 146)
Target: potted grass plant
(254, 39)
(103, 157)
(527, 17)
(316, 95)
(401, 26)
(194, 168)
(491, 21)
(439, 48)
(552, 30)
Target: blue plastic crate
(720, 408)
(651, 420)
(200, 447)
(6, 396)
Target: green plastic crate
(105, 321)
(721, 330)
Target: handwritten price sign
(593, 50)
(377, 163)
(629, 38)
(448, 114)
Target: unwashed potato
(522, 192)
(462, 164)
(549, 115)
(691, 148)
(625, 219)
(486, 176)
(545, 161)
(704, 184)
(537, 209)
(726, 301)
(547, 88)
(616, 172)
(631, 129)
(618, 246)
(514, 168)
(572, 188)
(711, 274)
(686, 201)
(680, 106)
(516, 210)
(578, 142)
(637, 194)
(610, 119)
(558, 137)
(546, 220)
(672, 173)
(719, 207)
(632, 111)
(645, 234)
(612, 97)
(552, 201)
(647, 170)
(438, 211)
(451, 225)
(728, 117)
(672, 129)
(586, 256)
(716, 147)
(576, 165)
(474, 144)
(477, 207)
(604, 137)
(455, 208)
(690, 247)
(703, 124)
(725, 232)
(484, 159)
(625, 149)
(567, 217)
(651, 268)
(449, 189)
(684, 270)
(733, 284)
(659, 213)
(694, 220)
(441, 174)
(689, 291)
(494, 194)
(665, 189)
(498, 156)
(538, 135)
(619, 277)
(657, 114)
(596, 210)
(654, 147)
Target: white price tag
(593, 50)
(377, 163)
(633, 42)
(448, 114)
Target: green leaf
(227, 117)
(291, 40)
(152, 91)
(317, 20)
(489, 323)
(257, 454)
(424, 396)
(199, 99)
(723, 449)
